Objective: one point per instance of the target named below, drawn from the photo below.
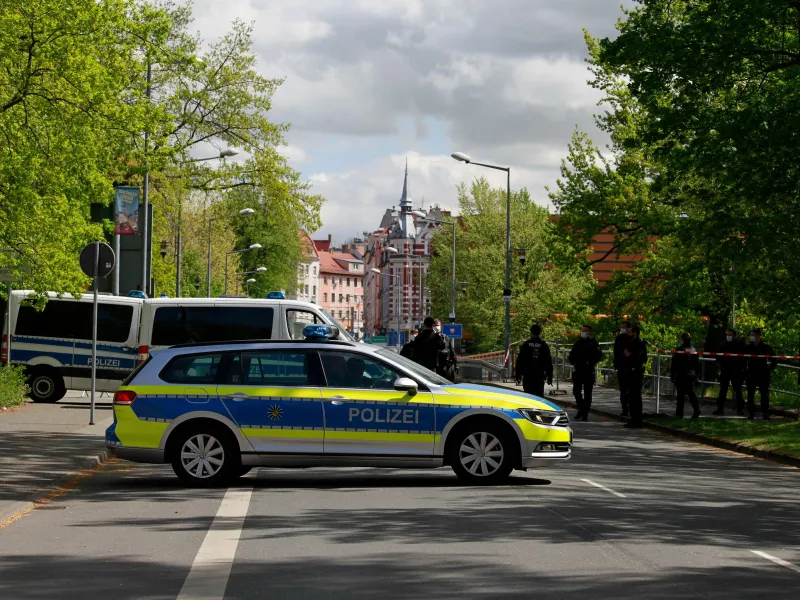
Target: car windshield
(413, 367)
(343, 335)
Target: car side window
(192, 369)
(356, 371)
(297, 320)
(278, 368)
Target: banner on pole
(126, 210)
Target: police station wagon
(215, 411)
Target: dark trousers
(582, 384)
(761, 383)
(634, 394)
(533, 386)
(727, 380)
(684, 386)
(624, 391)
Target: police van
(56, 345)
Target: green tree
(549, 288)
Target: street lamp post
(227, 254)
(248, 282)
(452, 223)
(461, 157)
(254, 271)
(244, 211)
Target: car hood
(506, 396)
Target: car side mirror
(404, 384)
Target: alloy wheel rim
(481, 454)
(202, 456)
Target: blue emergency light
(317, 332)
(276, 296)
(137, 294)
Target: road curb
(22, 506)
(696, 437)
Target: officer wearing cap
(534, 364)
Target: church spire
(405, 202)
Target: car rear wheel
(206, 457)
(482, 453)
(46, 385)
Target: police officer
(584, 356)
(731, 371)
(685, 367)
(534, 363)
(620, 343)
(429, 345)
(634, 359)
(759, 370)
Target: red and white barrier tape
(729, 354)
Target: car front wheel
(482, 453)
(206, 457)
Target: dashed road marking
(776, 560)
(211, 568)
(602, 487)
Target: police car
(214, 411)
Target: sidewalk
(43, 445)
(605, 402)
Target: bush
(13, 388)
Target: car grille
(561, 421)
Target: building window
(325, 279)
(348, 298)
(340, 281)
(315, 291)
(325, 297)
(306, 289)
(355, 283)
(348, 282)
(341, 298)
(341, 314)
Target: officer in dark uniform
(685, 367)
(759, 371)
(429, 345)
(634, 359)
(731, 371)
(534, 364)
(620, 343)
(584, 356)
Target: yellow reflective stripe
(382, 437)
(306, 434)
(469, 398)
(542, 434)
(269, 392)
(133, 432)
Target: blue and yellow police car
(214, 411)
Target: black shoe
(585, 418)
(696, 415)
(678, 415)
(719, 413)
(624, 413)
(633, 425)
(577, 416)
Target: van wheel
(482, 453)
(46, 385)
(206, 456)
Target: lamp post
(254, 271)
(399, 312)
(248, 282)
(243, 212)
(452, 223)
(461, 157)
(227, 254)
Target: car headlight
(553, 418)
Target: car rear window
(192, 369)
(174, 325)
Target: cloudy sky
(370, 83)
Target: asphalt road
(670, 520)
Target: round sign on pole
(105, 264)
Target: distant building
(307, 272)
(342, 283)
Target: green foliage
(13, 388)
(547, 285)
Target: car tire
(244, 471)
(206, 456)
(482, 452)
(46, 385)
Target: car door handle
(236, 396)
(337, 400)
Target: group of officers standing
(535, 367)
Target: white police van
(55, 344)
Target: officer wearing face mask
(620, 343)
(731, 372)
(759, 371)
(634, 359)
(534, 364)
(584, 356)
(684, 371)
(429, 345)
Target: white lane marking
(776, 560)
(602, 487)
(211, 568)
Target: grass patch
(777, 436)
(12, 386)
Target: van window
(192, 369)
(73, 320)
(186, 324)
(297, 320)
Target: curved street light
(248, 249)
(243, 212)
